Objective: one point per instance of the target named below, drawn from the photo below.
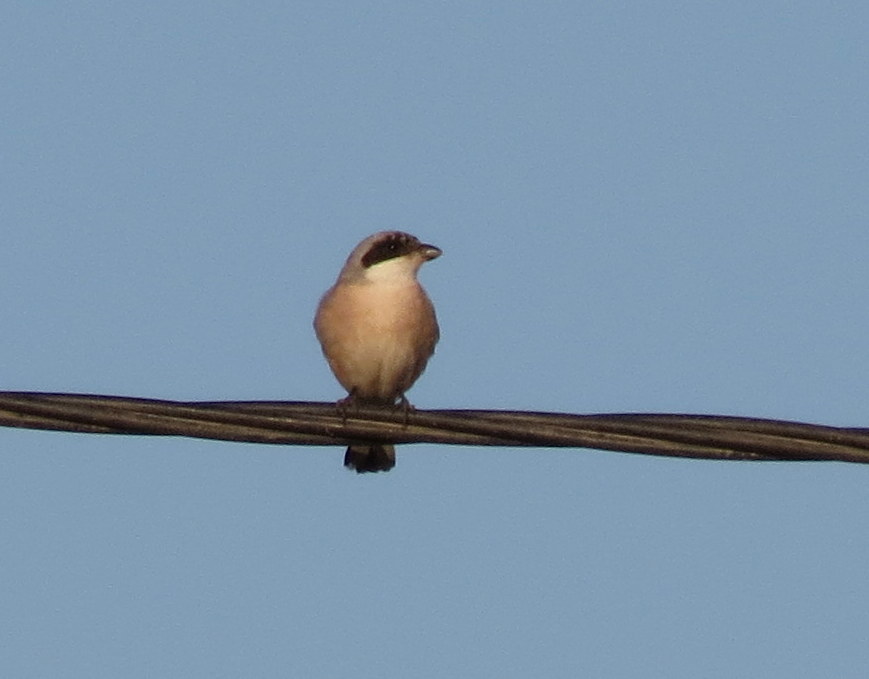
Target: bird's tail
(370, 457)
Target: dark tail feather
(370, 458)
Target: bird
(377, 328)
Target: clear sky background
(643, 207)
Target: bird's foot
(406, 408)
(344, 404)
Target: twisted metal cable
(301, 423)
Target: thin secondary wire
(303, 423)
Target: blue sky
(642, 207)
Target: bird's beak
(429, 252)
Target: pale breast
(377, 338)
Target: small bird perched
(377, 328)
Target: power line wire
(715, 437)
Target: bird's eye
(386, 249)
